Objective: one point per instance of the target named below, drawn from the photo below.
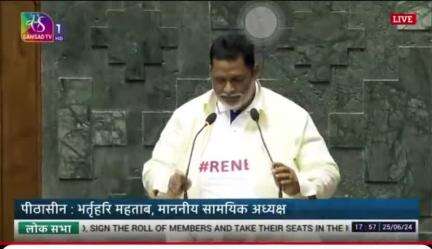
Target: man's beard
(244, 98)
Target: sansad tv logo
(38, 27)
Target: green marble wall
(109, 88)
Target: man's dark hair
(230, 47)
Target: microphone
(255, 117)
(208, 121)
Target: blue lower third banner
(243, 209)
(217, 220)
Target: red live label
(403, 18)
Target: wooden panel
(20, 114)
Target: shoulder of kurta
(192, 109)
(194, 105)
(282, 106)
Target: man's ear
(256, 71)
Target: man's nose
(228, 87)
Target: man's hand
(178, 183)
(286, 178)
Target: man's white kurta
(232, 156)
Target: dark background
(109, 88)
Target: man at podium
(239, 139)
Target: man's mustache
(227, 95)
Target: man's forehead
(229, 67)
(235, 62)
